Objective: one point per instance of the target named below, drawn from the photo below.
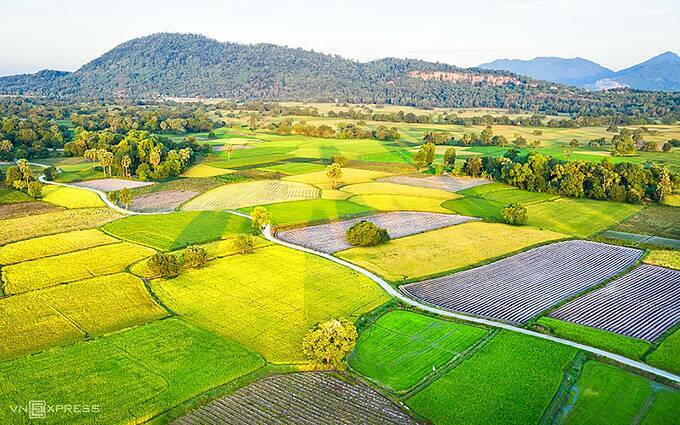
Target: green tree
(334, 173)
(164, 264)
(450, 157)
(34, 189)
(573, 143)
(366, 233)
(327, 343)
(125, 196)
(515, 214)
(195, 256)
(260, 217)
(244, 243)
(425, 156)
(12, 175)
(229, 149)
(473, 166)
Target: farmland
(61, 243)
(458, 246)
(349, 176)
(69, 197)
(252, 193)
(451, 184)
(517, 288)
(297, 213)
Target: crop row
(251, 193)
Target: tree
(520, 141)
(515, 214)
(573, 143)
(155, 158)
(425, 156)
(340, 160)
(473, 166)
(6, 150)
(50, 173)
(667, 147)
(163, 264)
(252, 122)
(536, 143)
(327, 343)
(334, 173)
(12, 175)
(450, 157)
(244, 243)
(34, 189)
(623, 145)
(366, 233)
(260, 217)
(105, 161)
(229, 149)
(567, 152)
(486, 135)
(195, 256)
(125, 164)
(25, 170)
(125, 196)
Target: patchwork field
(129, 375)
(69, 197)
(19, 228)
(297, 398)
(667, 355)
(517, 288)
(314, 210)
(510, 380)
(241, 195)
(451, 184)
(349, 176)
(642, 304)
(401, 348)
(476, 207)
(330, 238)
(168, 232)
(107, 185)
(400, 203)
(269, 299)
(60, 243)
(21, 209)
(659, 221)
(443, 250)
(64, 268)
(167, 200)
(204, 170)
(291, 168)
(381, 188)
(66, 313)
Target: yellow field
(15, 229)
(240, 195)
(664, 258)
(269, 299)
(379, 188)
(49, 271)
(401, 203)
(445, 249)
(203, 170)
(70, 197)
(38, 320)
(349, 176)
(672, 200)
(60, 243)
(334, 194)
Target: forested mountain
(574, 72)
(660, 73)
(188, 65)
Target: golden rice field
(64, 268)
(60, 243)
(239, 195)
(70, 197)
(664, 258)
(204, 170)
(334, 194)
(349, 176)
(446, 249)
(269, 299)
(400, 203)
(16, 229)
(66, 313)
(382, 188)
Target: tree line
(344, 130)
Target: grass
(232, 196)
(70, 197)
(382, 188)
(607, 395)
(660, 221)
(15, 229)
(476, 207)
(401, 348)
(313, 210)
(578, 217)
(667, 355)
(446, 249)
(168, 232)
(664, 409)
(64, 268)
(268, 300)
(619, 344)
(400, 203)
(349, 176)
(664, 258)
(44, 246)
(517, 195)
(291, 168)
(511, 380)
(131, 376)
(66, 313)
(11, 196)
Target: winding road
(267, 233)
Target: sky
(67, 34)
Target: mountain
(573, 72)
(661, 73)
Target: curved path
(267, 233)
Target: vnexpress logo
(37, 409)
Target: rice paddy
(69, 197)
(349, 176)
(44, 246)
(248, 194)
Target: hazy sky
(616, 33)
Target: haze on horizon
(65, 35)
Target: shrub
(163, 264)
(515, 214)
(244, 243)
(328, 343)
(50, 173)
(365, 233)
(195, 256)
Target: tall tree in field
(106, 161)
(155, 158)
(329, 342)
(252, 122)
(450, 157)
(334, 173)
(425, 156)
(25, 170)
(125, 165)
(229, 149)
(260, 217)
(125, 197)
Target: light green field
(476, 207)
(667, 355)
(130, 376)
(314, 210)
(291, 168)
(401, 348)
(349, 176)
(70, 197)
(66, 313)
(510, 380)
(203, 170)
(61, 243)
(11, 196)
(268, 300)
(168, 232)
(64, 268)
(443, 250)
